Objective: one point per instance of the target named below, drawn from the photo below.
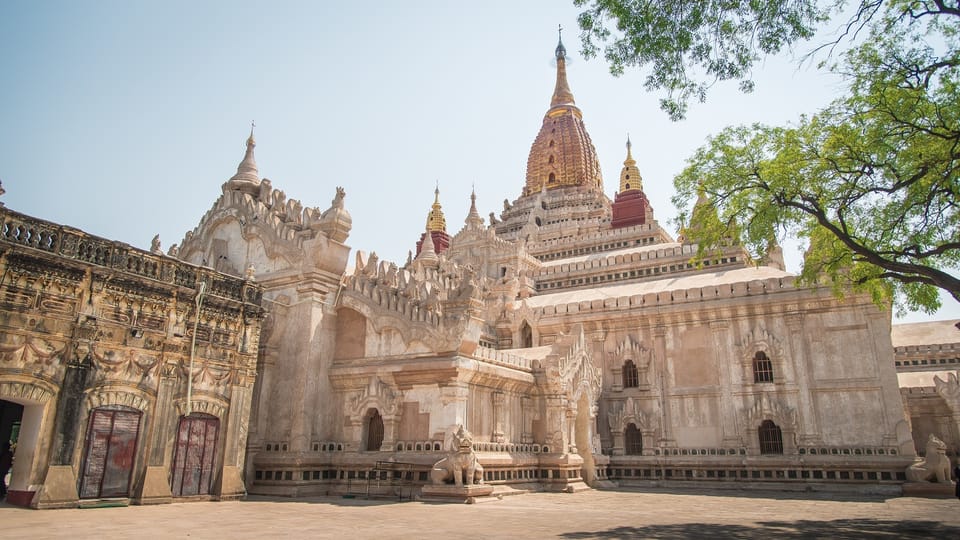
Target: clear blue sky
(123, 118)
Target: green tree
(871, 180)
(689, 46)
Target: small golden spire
(435, 219)
(630, 178)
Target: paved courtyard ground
(589, 514)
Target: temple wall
(92, 329)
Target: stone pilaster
(666, 421)
(722, 345)
(155, 487)
(528, 412)
(809, 428)
(59, 489)
(498, 413)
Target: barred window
(762, 368)
(633, 440)
(771, 438)
(630, 377)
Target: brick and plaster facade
(95, 356)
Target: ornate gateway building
(96, 392)
(570, 342)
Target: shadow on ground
(836, 529)
(755, 493)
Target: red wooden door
(194, 455)
(110, 451)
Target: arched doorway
(526, 335)
(109, 452)
(771, 438)
(633, 440)
(194, 455)
(11, 415)
(23, 410)
(374, 429)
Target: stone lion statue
(461, 466)
(935, 465)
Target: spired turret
(436, 227)
(247, 178)
(562, 155)
(630, 206)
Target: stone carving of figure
(934, 466)
(461, 466)
(337, 201)
(174, 251)
(493, 219)
(155, 245)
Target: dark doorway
(10, 416)
(526, 336)
(194, 454)
(633, 440)
(771, 438)
(374, 431)
(109, 452)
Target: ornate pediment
(760, 340)
(629, 412)
(570, 368)
(766, 407)
(376, 395)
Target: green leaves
(872, 181)
(688, 46)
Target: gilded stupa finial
(630, 174)
(561, 93)
(435, 218)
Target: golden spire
(435, 219)
(561, 92)
(630, 178)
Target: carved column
(556, 421)
(498, 412)
(666, 422)
(59, 488)
(230, 483)
(526, 405)
(155, 487)
(723, 349)
(571, 429)
(808, 431)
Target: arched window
(771, 438)
(374, 431)
(552, 178)
(526, 336)
(630, 377)
(550, 159)
(632, 440)
(762, 368)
